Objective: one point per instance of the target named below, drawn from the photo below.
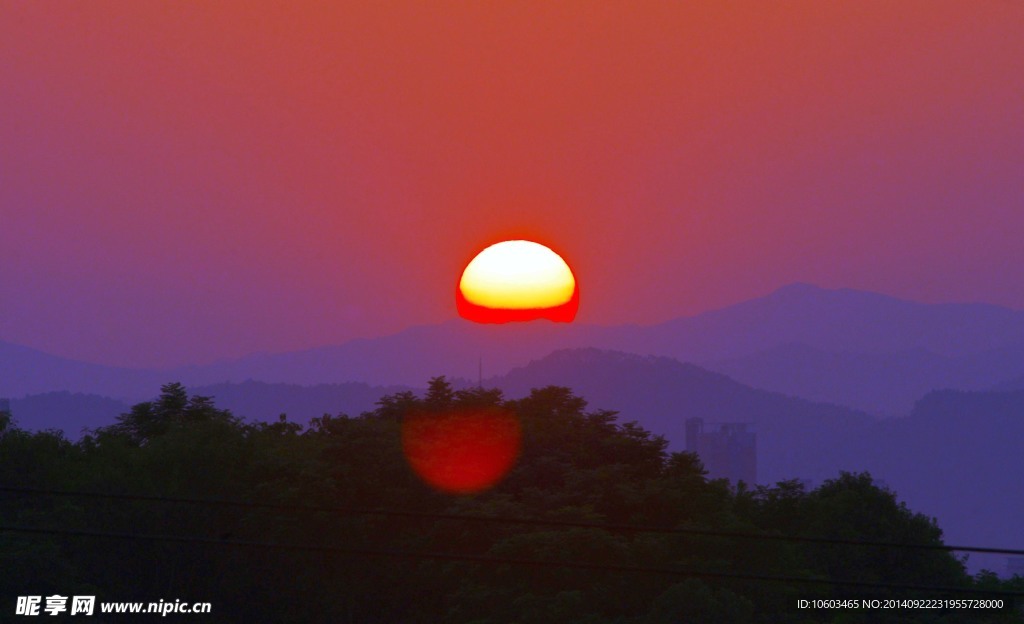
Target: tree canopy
(577, 466)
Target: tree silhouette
(576, 465)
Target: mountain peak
(798, 288)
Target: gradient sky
(184, 182)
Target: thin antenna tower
(480, 374)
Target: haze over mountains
(811, 370)
(657, 391)
(863, 350)
(958, 457)
(886, 384)
(661, 393)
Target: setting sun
(517, 281)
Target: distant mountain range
(661, 393)
(25, 371)
(658, 392)
(64, 411)
(880, 383)
(863, 350)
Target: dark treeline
(575, 465)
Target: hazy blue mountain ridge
(881, 383)
(864, 350)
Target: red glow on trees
(463, 451)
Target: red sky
(182, 182)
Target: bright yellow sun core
(517, 275)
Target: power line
(624, 528)
(441, 556)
